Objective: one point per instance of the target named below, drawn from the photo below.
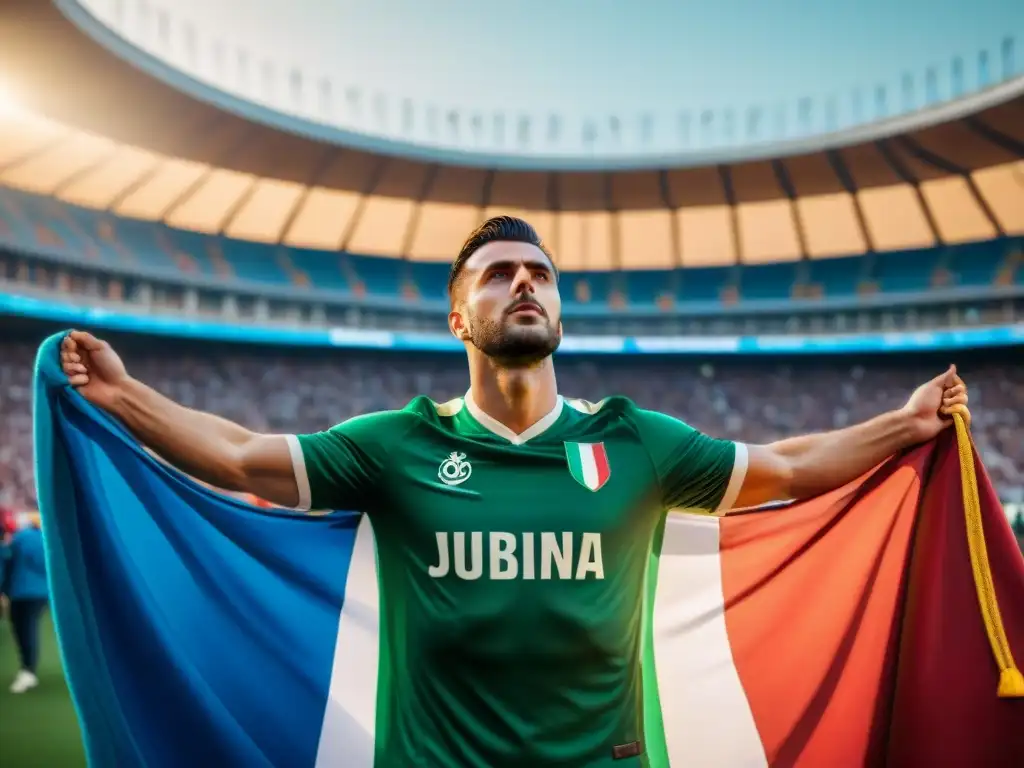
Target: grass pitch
(38, 729)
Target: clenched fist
(933, 404)
(93, 368)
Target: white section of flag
(349, 725)
(698, 685)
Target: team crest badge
(588, 464)
(454, 470)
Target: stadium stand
(179, 188)
(36, 223)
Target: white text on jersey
(514, 556)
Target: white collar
(499, 429)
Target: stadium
(258, 204)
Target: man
(23, 582)
(513, 527)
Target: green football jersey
(511, 570)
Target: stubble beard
(512, 345)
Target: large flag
(862, 627)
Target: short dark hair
(496, 229)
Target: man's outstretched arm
(205, 446)
(805, 466)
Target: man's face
(507, 303)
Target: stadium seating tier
(32, 223)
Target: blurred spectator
(750, 399)
(24, 584)
(1018, 525)
(8, 524)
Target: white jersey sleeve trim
(739, 473)
(301, 476)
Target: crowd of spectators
(754, 400)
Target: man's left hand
(932, 405)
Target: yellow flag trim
(1011, 682)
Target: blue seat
(381, 276)
(905, 271)
(254, 261)
(978, 263)
(703, 283)
(767, 281)
(837, 277)
(598, 286)
(46, 213)
(140, 240)
(14, 216)
(430, 279)
(323, 268)
(643, 287)
(194, 246)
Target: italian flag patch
(588, 464)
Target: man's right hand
(93, 368)
(218, 452)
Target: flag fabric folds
(847, 629)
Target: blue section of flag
(194, 629)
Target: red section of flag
(855, 627)
(601, 462)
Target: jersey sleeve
(340, 468)
(695, 471)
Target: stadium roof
(97, 132)
(575, 84)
